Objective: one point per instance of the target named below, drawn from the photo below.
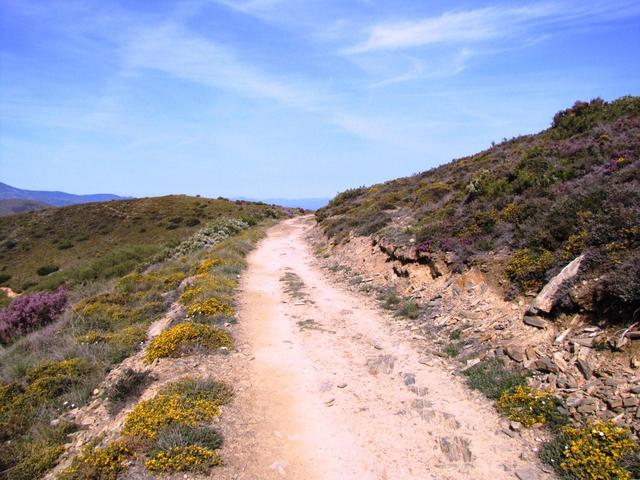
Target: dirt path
(328, 389)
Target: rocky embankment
(592, 366)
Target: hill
(83, 242)
(522, 210)
(58, 199)
(12, 206)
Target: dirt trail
(327, 388)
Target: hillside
(75, 361)
(13, 206)
(522, 210)
(58, 199)
(83, 242)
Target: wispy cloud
(173, 50)
(482, 24)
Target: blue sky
(288, 98)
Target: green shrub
(453, 349)
(491, 377)
(4, 277)
(390, 299)
(5, 301)
(129, 386)
(47, 269)
(409, 309)
(117, 263)
(31, 457)
(183, 435)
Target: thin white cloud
(423, 70)
(472, 26)
(177, 52)
(375, 130)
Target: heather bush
(29, 312)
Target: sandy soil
(328, 387)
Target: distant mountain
(57, 199)
(306, 203)
(13, 206)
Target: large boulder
(550, 294)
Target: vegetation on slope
(75, 244)
(13, 206)
(54, 369)
(529, 205)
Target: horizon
(289, 100)
(125, 196)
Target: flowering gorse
(191, 458)
(99, 463)
(595, 452)
(528, 406)
(173, 342)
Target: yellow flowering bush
(190, 294)
(528, 406)
(595, 452)
(191, 458)
(528, 266)
(148, 417)
(188, 402)
(207, 265)
(156, 281)
(50, 379)
(128, 336)
(15, 410)
(211, 306)
(98, 463)
(32, 456)
(101, 310)
(176, 340)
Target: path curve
(328, 389)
